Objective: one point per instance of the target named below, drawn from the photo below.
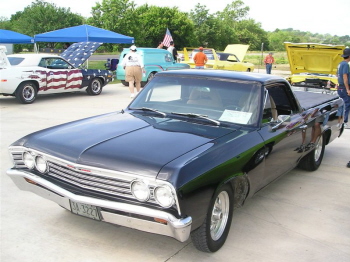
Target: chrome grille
(110, 185)
(18, 159)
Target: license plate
(85, 210)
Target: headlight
(41, 164)
(164, 196)
(140, 190)
(28, 160)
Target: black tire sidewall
(212, 244)
(19, 93)
(90, 88)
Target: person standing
(173, 50)
(133, 66)
(344, 83)
(268, 61)
(200, 59)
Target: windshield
(226, 101)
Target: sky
(315, 16)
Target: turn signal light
(30, 181)
(159, 220)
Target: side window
(168, 58)
(57, 63)
(270, 112)
(282, 98)
(42, 63)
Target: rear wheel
(313, 160)
(212, 234)
(26, 93)
(149, 78)
(125, 83)
(95, 87)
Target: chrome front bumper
(177, 228)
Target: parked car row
(27, 75)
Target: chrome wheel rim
(28, 93)
(96, 86)
(151, 75)
(318, 149)
(219, 215)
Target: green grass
(101, 65)
(257, 58)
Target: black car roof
(246, 76)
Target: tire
(125, 83)
(212, 234)
(95, 87)
(26, 92)
(248, 70)
(149, 78)
(313, 160)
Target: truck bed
(309, 99)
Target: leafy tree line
(147, 24)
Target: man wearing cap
(133, 66)
(200, 59)
(344, 83)
(269, 60)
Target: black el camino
(187, 151)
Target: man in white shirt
(133, 66)
(173, 50)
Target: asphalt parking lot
(303, 216)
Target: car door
(282, 139)
(233, 63)
(60, 75)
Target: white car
(27, 75)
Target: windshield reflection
(225, 101)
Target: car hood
(78, 53)
(125, 142)
(239, 50)
(313, 58)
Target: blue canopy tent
(11, 37)
(84, 33)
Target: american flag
(167, 38)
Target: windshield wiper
(205, 117)
(150, 110)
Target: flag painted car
(189, 149)
(314, 65)
(154, 59)
(27, 75)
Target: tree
(5, 23)
(41, 17)
(153, 21)
(147, 24)
(277, 39)
(114, 15)
(249, 32)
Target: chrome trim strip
(95, 171)
(177, 228)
